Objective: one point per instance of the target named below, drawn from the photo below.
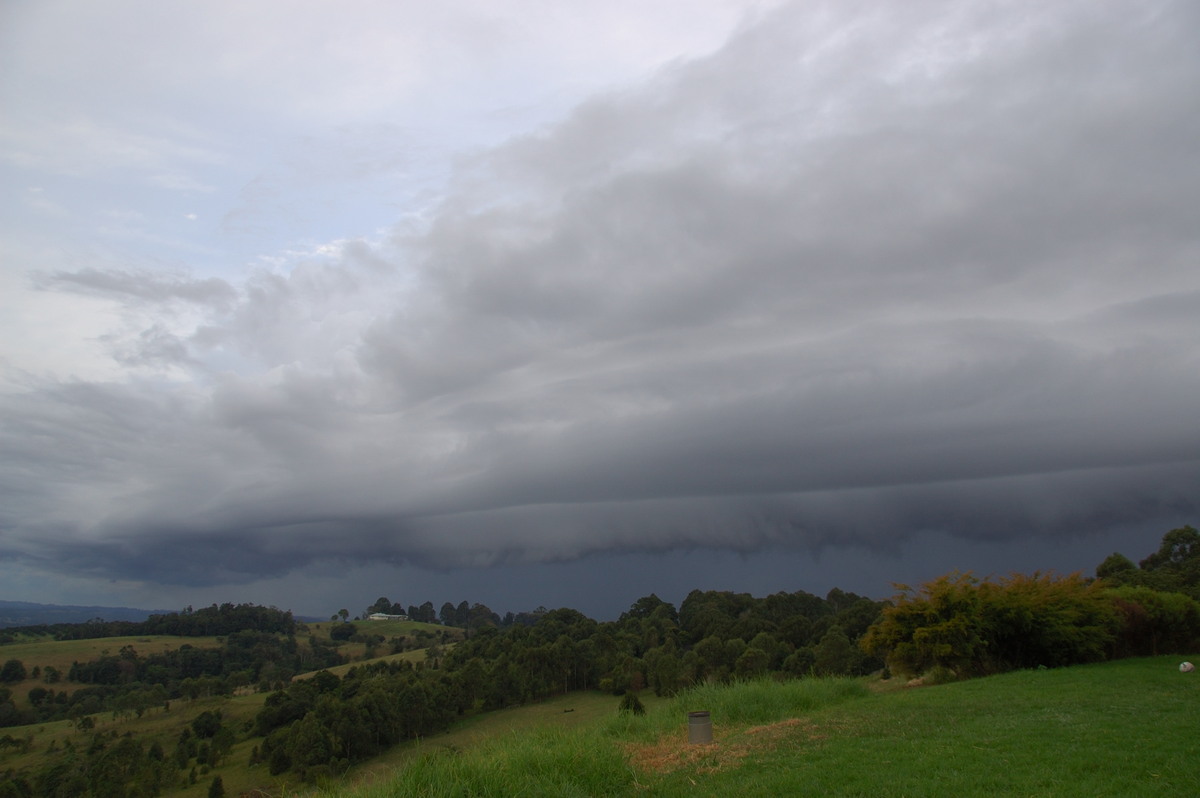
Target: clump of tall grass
(532, 763)
(741, 703)
(766, 700)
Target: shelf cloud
(861, 272)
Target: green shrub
(12, 672)
(974, 627)
(1154, 622)
(631, 703)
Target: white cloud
(81, 145)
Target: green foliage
(343, 632)
(1175, 567)
(538, 764)
(317, 727)
(1117, 569)
(630, 703)
(751, 663)
(1154, 622)
(384, 605)
(207, 621)
(1156, 601)
(835, 654)
(206, 724)
(972, 628)
(646, 606)
(13, 671)
(128, 683)
(111, 766)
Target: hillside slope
(1118, 729)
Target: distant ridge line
(29, 613)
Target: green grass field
(61, 653)
(569, 713)
(1116, 729)
(46, 651)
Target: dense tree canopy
(1174, 568)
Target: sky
(538, 303)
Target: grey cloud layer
(855, 275)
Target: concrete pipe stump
(699, 728)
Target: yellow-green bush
(974, 627)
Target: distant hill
(27, 613)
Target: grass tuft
(539, 763)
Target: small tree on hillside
(630, 703)
(835, 655)
(343, 631)
(13, 671)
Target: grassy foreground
(1122, 728)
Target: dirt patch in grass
(668, 754)
(674, 752)
(775, 733)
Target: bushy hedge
(972, 627)
(1155, 622)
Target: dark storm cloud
(857, 275)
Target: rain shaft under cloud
(866, 270)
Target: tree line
(205, 622)
(464, 615)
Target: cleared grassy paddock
(46, 651)
(418, 634)
(61, 653)
(1115, 729)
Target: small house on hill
(383, 616)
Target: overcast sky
(529, 302)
